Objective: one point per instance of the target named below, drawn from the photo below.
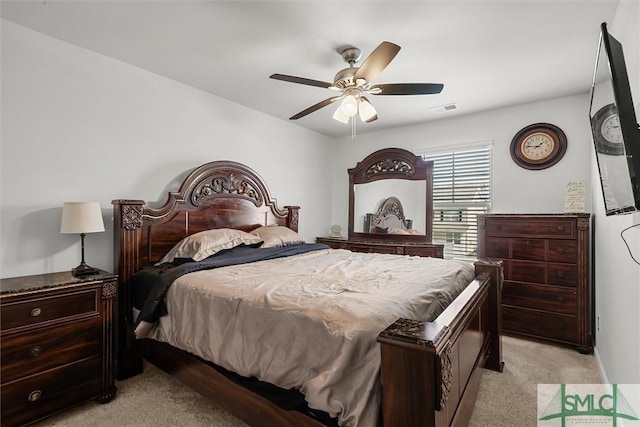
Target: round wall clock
(607, 133)
(538, 146)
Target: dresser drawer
(563, 251)
(40, 395)
(529, 249)
(497, 248)
(541, 297)
(369, 248)
(562, 274)
(528, 271)
(531, 227)
(422, 251)
(539, 323)
(51, 308)
(29, 353)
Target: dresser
(390, 247)
(547, 286)
(56, 344)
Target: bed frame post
(127, 232)
(293, 213)
(494, 269)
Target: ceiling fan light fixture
(366, 110)
(349, 106)
(340, 116)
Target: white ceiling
(488, 54)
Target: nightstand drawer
(51, 308)
(39, 395)
(29, 353)
(540, 297)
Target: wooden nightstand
(56, 344)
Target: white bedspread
(309, 321)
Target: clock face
(610, 129)
(537, 146)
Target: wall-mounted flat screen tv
(616, 134)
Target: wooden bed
(430, 374)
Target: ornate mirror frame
(392, 163)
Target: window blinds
(461, 191)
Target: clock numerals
(537, 146)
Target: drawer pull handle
(527, 242)
(560, 228)
(560, 250)
(561, 298)
(35, 351)
(35, 395)
(560, 274)
(35, 312)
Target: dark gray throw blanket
(150, 284)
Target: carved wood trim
(445, 368)
(131, 217)
(109, 290)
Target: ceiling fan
(356, 82)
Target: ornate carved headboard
(221, 194)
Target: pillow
(201, 245)
(276, 235)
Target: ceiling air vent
(444, 108)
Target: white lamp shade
(366, 110)
(340, 116)
(81, 217)
(349, 106)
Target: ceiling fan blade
(315, 107)
(407, 88)
(377, 61)
(301, 80)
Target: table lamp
(81, 218)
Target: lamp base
(84, 270)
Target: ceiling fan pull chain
(353, 127)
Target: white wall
(78, 126)
(617, 276)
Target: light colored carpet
(506, 399)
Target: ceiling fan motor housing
(345, 78)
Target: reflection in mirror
(607, 134)
(369, 198)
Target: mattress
(309, 321)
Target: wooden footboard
(429, 369)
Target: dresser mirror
(374, 183)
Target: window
(461, 191)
